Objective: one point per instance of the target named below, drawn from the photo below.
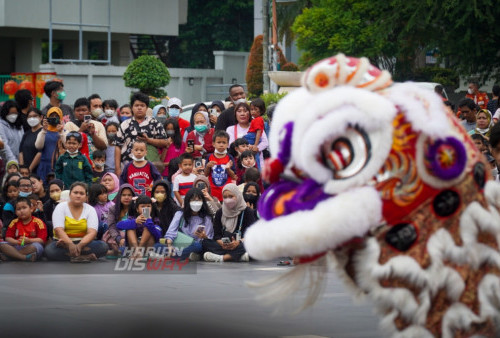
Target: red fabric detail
(208, 146)
(34, 229)
(183, 124)
(271, 170)
(140, 178)
(256, 124)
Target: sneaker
(245, 257)
(194, 257)
(211, 257)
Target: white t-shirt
(182, 183)
(62, 210)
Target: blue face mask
(123, 118)
(174, 112)
(24, 194)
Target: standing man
(493, 104)
(140, 127)
(55, 92)
(479, 98)
(24, 100)
(469, 110)
(174, 110)
(227, 117)
(96, 107)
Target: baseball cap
(174, 102)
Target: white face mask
(494, 173)
(470, 91)
(196, 205)
(220, 152)
(242, 100)
(109, 112)
(97, 112)
(12, 118)
(33, 121)
(138, 159)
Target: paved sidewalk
(84, 300)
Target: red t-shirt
(183, 124)
(141, 178)
(218, 175)
(256, 124)
(34, 229)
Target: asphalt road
(207, 300)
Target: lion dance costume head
(380, 181)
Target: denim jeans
(55, 253)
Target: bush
(254, 69)
(444, 76)
(272, 98)
(148, 74)
(254, 78)
(290, 67)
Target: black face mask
(251, 198)
(53, 121)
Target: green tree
(333, 26)
(148, 74)
(396, 34)
(212, 25)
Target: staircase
(149, 45)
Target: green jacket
(73, 169)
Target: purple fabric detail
(456, 168)
(286, 143)
(308, 194)
(155, 230)
(269, 197)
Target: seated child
(99, 160)
(25, 236)
(10, 193)
(238, 147)
(184, 181)
(140, 173)
(98, 198)
(141, 232)
(251, 175)
(245, 161)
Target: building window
(57, 50)
(97, 50)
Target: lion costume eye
(347, 155)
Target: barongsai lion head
(381, 180)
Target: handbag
(182, 240)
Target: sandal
(31, 257)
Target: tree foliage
(254, 76)
(148, 74)
(396, 34)
(212, 25)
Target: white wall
(83, 80)
(158, 17)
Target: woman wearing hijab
(483, 123)
(112, 183)
(164, 207)
(199, 107)
(160, 113)
(230, 225)
(201, 182)
(47, 139)
(11, 130)
(201, 136)
(216, 108)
